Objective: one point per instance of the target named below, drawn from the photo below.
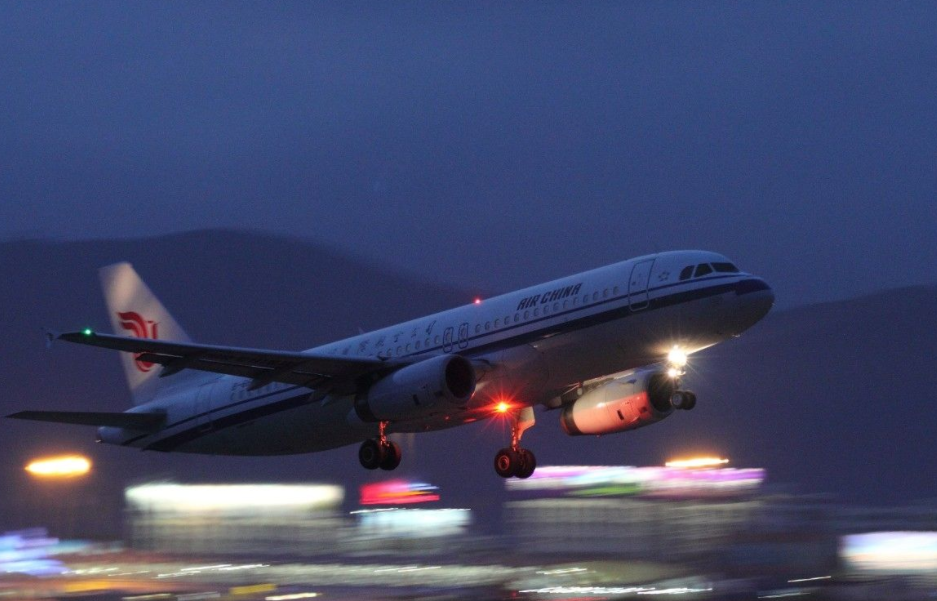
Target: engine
(433, 386)
(626, 403)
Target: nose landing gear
(514, 460)
(683, 399)
(379, 452)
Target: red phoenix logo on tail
(139, 328)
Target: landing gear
(683, 399)
(379, 452)
(680, 399)
(514, 460)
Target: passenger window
(517, 317)
(615, 291)
(497, 323)
(507, 319)
(399, 350)
(556, 307)
(426, 344)
(686, 273)
(436, 340)
(526, 314)
(487, 325)
(595, 296)
(478, 328)
(725, 268)
(536, 312)
(585, 299)
(703, 269)
(417, 345)
(605, 293)
(566, 304)
(546, 309)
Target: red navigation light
(478, 300)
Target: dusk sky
(489, 145)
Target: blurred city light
(67, 466)
(213, 497)
(617, 481)
(398, 492)
(891, 552)
(697, 462)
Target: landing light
(673, 372)
(677, 357)
(502, 407)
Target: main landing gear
(514, 460)
(379, 452)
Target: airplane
(607, 349)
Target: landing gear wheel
(370, 454)
(506, 462)
(678, 399)
(391, 456)
(691, 400)
(527, 465)
(683, 399)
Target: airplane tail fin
(135, 311)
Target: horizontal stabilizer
(131, 421)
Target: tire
(679, 400)
(391, 458)
(691, 401)
(506, 463)
(370, 454)
(527, 465)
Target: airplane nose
(755, 299)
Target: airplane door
(638, 283)
(203, 407)
(447, 341)
(463, 335)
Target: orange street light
(66, 466)
(697, 462)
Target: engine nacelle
(625, 403)
(436, 385)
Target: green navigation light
(87, 332)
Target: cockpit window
(703, 269)
(725, 268)
(686, 273)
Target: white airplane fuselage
(528, 348)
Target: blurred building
(399, 517)
(713, 515)
(279, 519)
(293, 520)
(646, 513)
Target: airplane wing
(132, 421)
(262, 366)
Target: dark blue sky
(492, 145)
